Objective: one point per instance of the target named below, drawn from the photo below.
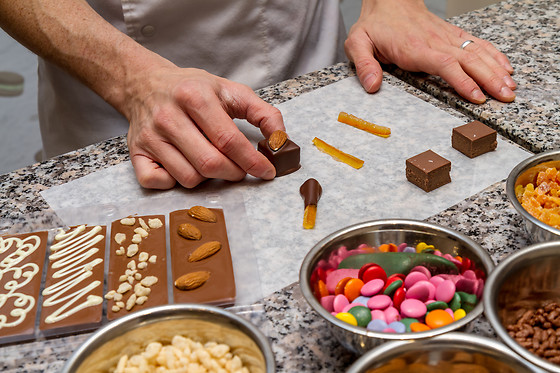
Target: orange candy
(364, 125)
(321, 289)
(338, 154)
(352, 289)
(419, 327)
(438, 318)
(339, 289)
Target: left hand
(405, 33)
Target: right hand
(181, 128)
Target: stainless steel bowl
(522, 281)
(375, 233)
(523, 173)
(130, 335)
(438, 354)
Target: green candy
(393, 286)
(455, 303)
(401, 262)
(407, 321)
(362, 315)
(468, 301)
(436, 306)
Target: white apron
(255, 42)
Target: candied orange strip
(338, 154)
(364, 125)
(309, 216)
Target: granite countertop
(300, 340)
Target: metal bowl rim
(495, 279)
(510, 187)
(308, 295)
(173, 311)
(452, 337)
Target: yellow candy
(423, 246)
(347, 318)
(459, 314)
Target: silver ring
(465, 43)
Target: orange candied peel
(338, 154)
(364, 125)
(309, 216)
(542, 199)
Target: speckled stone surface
(300, 340)
(528, 32)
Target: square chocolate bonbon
(428, 170)
(474, 139)
(285, 160)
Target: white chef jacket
(255, 42)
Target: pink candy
(372, 287)
(413, 308)
(445, 291)
(379, 302)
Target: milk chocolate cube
(285, 159)
(428, 170)
(474, 139)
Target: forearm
(70, 34)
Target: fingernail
(508, 66)
(478, 96)
(507, 93)
(510, 82)
(369, 80)
(269, 174)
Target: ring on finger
(465, 43)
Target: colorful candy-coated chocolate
(406, 322)
(415, 276)
(436, 280)
(371, 271)
(401, 262)
(372, 287)
(351, 305)
(468, 301)
(436, 306)
(391, 314)
(459, 314)
(327, 302)
(352, 288)
(379, 302)
(347, 318)
(338, 274)
(378, 314)
(455, 302)
(398, 296)
(417, 327)
(388, 330)
(339, 289)
(397, 326)
(392, 287)
(413, 308)
(377, 325)
(339, 302)
(422, 290)
(362, 315)
(362, 300)
(445, 291)
(438, 318)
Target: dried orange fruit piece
(309, 216)
(364, 125)
(338, 154)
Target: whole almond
(202, 213)
(204, 251)
(192, 280)
(277, 139)
(189, 231)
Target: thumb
(360, 52)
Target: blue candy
(409, 249)
(377, 325)
(362, 300)
(397, 326)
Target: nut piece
(189, 231)
(202, 213)
(192, 280)
(277, 139)
(204, 251)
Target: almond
(192, 280)
(204, 251)
(189, 231)
(202, 213)
(277, 139)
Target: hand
(182, 129)
(405, 33)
